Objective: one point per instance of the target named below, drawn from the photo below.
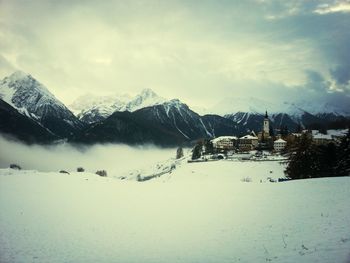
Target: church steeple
(266, 128)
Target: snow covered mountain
(169, 123)
(239, 115)
(252, 105)
(90, 109)
(34, 100)
(146, 98)
(248, 113)
(148, 117)
(15, 124)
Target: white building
(225, 142)
(331, 136)
(279, 145)
(322, 138)
(248, 142)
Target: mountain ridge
(97, 108)
(146, 117)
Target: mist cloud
(117, 159)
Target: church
(265, 136)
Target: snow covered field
(201, 212)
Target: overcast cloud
(198, 51)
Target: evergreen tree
(343, 166)
(284, 131)
(179, 153)
(209, 147)
(271, 131)
(309, 160)
(301, 161)
(299, 129)
(196, 153)
(325, 160)
(197, 150)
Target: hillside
(198, 213)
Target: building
(264, 135)
(248, 143)
(279, 145)
(266, 126)
(225, 142)
(320, 138)
(337, 135)
(329, 136)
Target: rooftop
(280, 140)
(249, 137)
(224, 138)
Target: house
(337, 135)
(320, 138)
(225, 142)
(279, 145)
(247, 143)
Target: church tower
(266, 128)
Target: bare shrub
(246, 179)
(102, 173)
(80, 169)
(15, 166)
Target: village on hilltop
(262, 145)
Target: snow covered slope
(34, 100)
(13, 123)
(198, 213)
(91, 108)
(146, 98)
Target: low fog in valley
(114, 158)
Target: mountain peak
(146, 98)
(34, 100)
(148, 93)
(23, 82)
(19, 74)
(175, 101)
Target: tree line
(309, 160)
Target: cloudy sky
(199, 51)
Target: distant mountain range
(295, 110)
(169, 123)
(31, 113)
(90, 108)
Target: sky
(196, 50)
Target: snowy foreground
(200, 212)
